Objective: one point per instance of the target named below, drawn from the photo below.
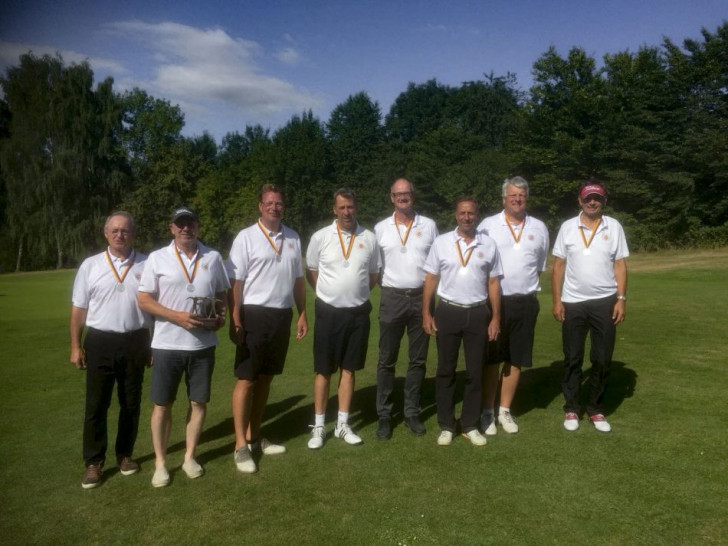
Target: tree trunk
(20, 255)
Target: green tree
(61, 162)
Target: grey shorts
(168, 369)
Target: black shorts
(168, 368)
(267, 334)
(518, 324)
(341, 337)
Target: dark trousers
(399, 311)
(113, 358)
(593, 317)
(469, 326)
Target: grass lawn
(661, 476)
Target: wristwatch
(621, 297)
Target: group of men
(486, 278)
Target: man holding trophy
(183, 286)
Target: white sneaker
(193, 469)
(571, 421)
(344, 432)
(244, 461)
(600, 423)
(318, 435)
(266, 447)
(475, 437)
(487, 423)
(505, 419)
(445, 438)
(161, 477)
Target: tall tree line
(653, 124)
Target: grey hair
(120, 213)
(517, 182)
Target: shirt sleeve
(149, 282)
(559, 246)
(80, 297)
(313, 251)
(432, 263)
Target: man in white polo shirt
(116, 346)
(523, 245)
(404, 240)
(342, 264)
(175, 278)
(467, 266)
(266, 275)
(589, 289)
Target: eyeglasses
(401, 194)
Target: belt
(464, 305)
(405, 291)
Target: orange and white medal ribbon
(271, 242)
(345, 252)
(516, 238)
(403, 240)
(468, 254)
(120, 279)
(587, 250)
(190, 279)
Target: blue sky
(232, 63)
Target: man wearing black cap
(589, 287)
(183, 286)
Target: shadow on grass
(285, 421)
(539, 387)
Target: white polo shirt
(404, 269)
(464, 284)
(109, 307)
(164, 278)
(337, 284)
(590, 275)
(522, 261)
(253, 260)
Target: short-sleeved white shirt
(404, 269)
(163, 276)
(338, 285)
(96, 290)
(469, 284)
(590, 276)
(268, 282)
(521, 265)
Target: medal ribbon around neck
(346, 252)
(120, 279)
(468, 254)
(406, 233)
(591, 237)
(190, 280)
(516, 238)
(270, 239)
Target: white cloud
(288, 55)
(203, 65)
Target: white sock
(319, 419)
(343, 417)
(502, 410)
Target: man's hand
(559, 312)
(301, 326)
(78, 358)
(186, 320)
(618, 313)
(428, 324)
(493, 329)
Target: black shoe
(384, 429)
(415, 425)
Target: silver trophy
(208, 310)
